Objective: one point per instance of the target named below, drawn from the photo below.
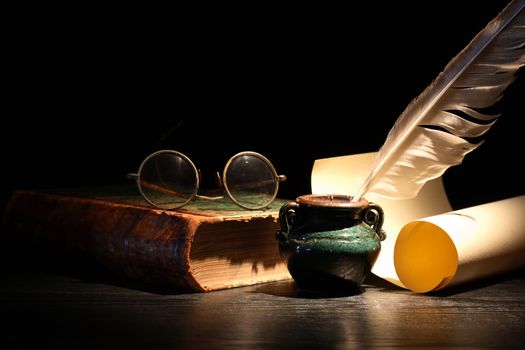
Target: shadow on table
(480, 284)
(291, 290)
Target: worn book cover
(204, 246)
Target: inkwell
(330, 242)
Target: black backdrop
(92, 91)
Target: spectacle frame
(168, 179)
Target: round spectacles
(169, 180)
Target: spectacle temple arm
(174, 193)
(135, 176)
(254, 184)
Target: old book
(202, 247)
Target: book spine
(145, 245)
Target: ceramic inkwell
(329, 242)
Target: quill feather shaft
(431, 134)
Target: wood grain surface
(42, 304)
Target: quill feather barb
(431, 134)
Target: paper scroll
(428, 246)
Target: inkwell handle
(286, 216)
(374, 217)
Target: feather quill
(431, 134)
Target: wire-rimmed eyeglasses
(168, 179)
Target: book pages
(428, 246)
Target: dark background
(91, 91)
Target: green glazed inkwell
(328, 242)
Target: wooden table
(42, 305)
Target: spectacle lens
(168, 179)
(250, 180)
